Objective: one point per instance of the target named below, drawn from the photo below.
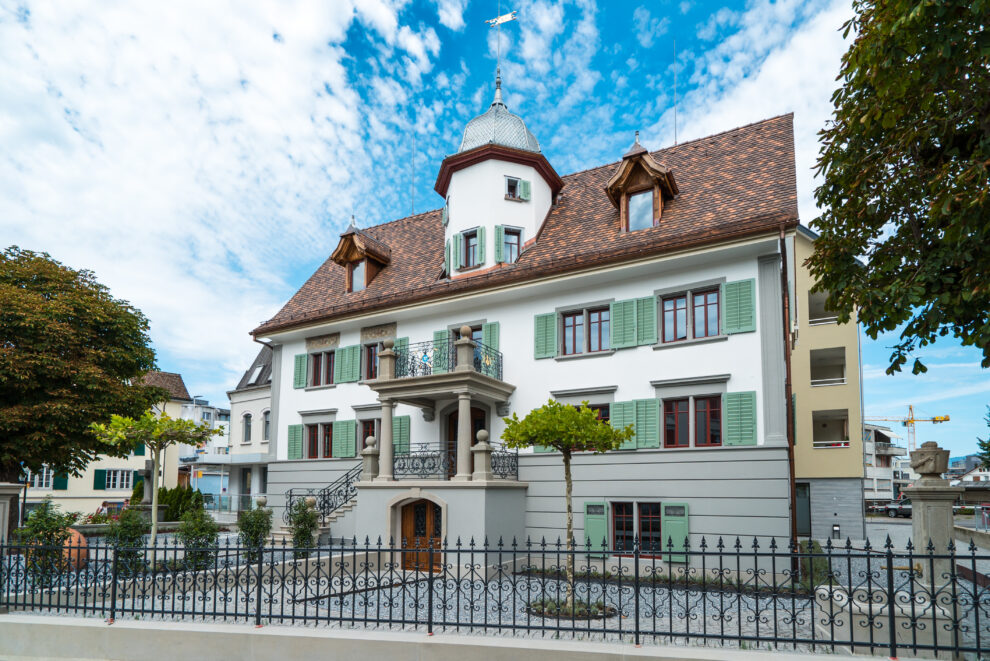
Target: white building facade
(651, 288)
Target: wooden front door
(422, 525)
(477, 424)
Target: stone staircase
(284, 533)
(333, 502)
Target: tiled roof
(734, 184)
(264, 375)
(170, 381)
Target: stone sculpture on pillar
(931, 506)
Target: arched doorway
(479, 420)
(422, 526)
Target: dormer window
(641, 210)
(517, 190)
(357, 276)
(639, 188)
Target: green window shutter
(524, 190)
(622, 321)
(137, 478)
(542, 448)
(596, 527)
(455, 252)
(739, 305)
(299, 371)
(446, 214)
(441, 351)
(139, 450)
(446, 257)
(481, 245)
(622, 414)
(499, 244)
(545, 343)
(647, 423)
(489, 335)
(344, 436)
(355, 363)
(400, 434)
(60, 481)
(674, 529)
(740, 418)
(401, 345)
(295, 446)
(347, 364)
(100, 479)
(646, 320)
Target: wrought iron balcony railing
(440, 357)
(427, 462)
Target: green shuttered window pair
(346, 366)
(674, 530)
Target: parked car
(898, 508)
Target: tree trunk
(570, 530)
(156, 462)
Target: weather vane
(497, 24)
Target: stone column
(369, 459)
(931, 509)
(463, 437)
(386, 361)
(465, 351)
(387, 450)
(482, 452)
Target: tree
(566, 429)
(984, 444)
(905, 163)
(70, 354)
(157, 433)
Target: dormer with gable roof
(362, 256)
(639, 188)
(498, 189)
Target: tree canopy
(905, 163)
(564, 428)
(70, 354)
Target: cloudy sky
(202, 158)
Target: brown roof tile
(170, 381)
(733, 184)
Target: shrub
(199, 534)
(46, 530)
(179, 501)
(254, 527)
(303, 521)
(126, 535)
(814, 569)
(137, 493)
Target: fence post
(429, 591)
(891, 600)
(113, 587)
(257, 589)
(636, 553)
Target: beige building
(826, 383)
(108, 481)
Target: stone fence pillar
(369, 458)
(931, 509)
(482, 458)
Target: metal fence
(748, 594)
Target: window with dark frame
(321, 368)
(707, 421)
(510, 245)
(573, 333)
(602, 410)
(357, 275)
(371, 361)
(266, 425)
(512, 188)
(675, 318)
(327, 441)
(705, 307)
(368, 428)
(650, 540)
(598, 331)
(675, 423)
(623, 527)
(246, 424)
(313, 444)
(470, 249)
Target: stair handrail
(328, 499)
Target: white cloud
(648, 28)
(451, 13)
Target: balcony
(828, 367)
(889, 449)
(831, 428)
(432, 463)
(818, 314)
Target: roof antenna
(675, 91)
(497, 24)
(412, 167)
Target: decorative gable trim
(622, 180)
(537, 161)
(355, 245)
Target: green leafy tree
(45, 532)
(70, 354)
(566, 429)
(126, 535)
(157, 433)
(199, 534)
(906, 168)
(303, 521)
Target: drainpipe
(788, 403)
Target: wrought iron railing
(425, 358)
(761, 595)
(329, 498)
(505, 464)
(488, 361)
(423, 463)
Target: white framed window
(246, 424)
(42, 479)
(266, 425)
(119, 479)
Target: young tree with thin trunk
(566, 429)
(157, 432)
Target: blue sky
(202, 158)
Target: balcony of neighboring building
(831, 428)
(828, 367)
(818, 312)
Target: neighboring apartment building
(904, 475)
(108, 481)
(251, 432)
(828, 413)
(879, 450)
(972, 476)
(650, 287)
(205, 468)
(960, 465)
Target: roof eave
(461, 160)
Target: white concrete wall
(254, 401)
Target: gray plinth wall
(837, 501)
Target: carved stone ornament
(331, 341)
(930, 461)
(381, 332)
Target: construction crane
(909, 423)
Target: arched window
(247, 427)
(266, 426)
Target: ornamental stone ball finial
(389, 343)
(310, 502)
(930, 461)
(465, 332)
(370, 442)
(482, 435)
